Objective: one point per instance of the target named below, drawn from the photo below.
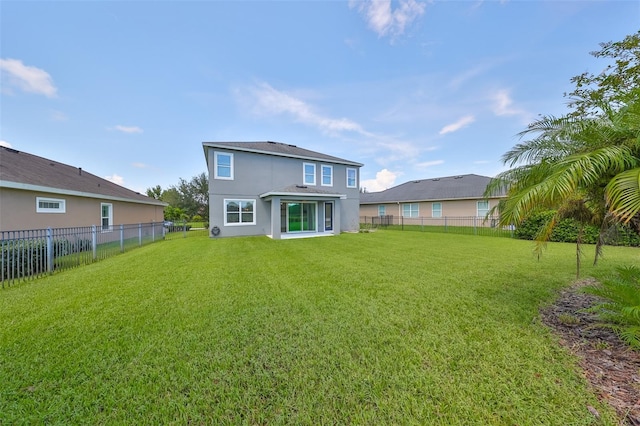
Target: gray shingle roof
(444, 188)
(33, 172)
(280, 149)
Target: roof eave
(277, 154)
(58, 191)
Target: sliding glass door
(298, 217)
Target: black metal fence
(469, 225)
(32, 253)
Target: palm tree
(584, 168)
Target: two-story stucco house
(280, 190)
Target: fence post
(94, 241)
(121, 238)
(49, 250)
(184, 230)
(139, 234)
(445, 225)
(402, 222)
(153, 232)
(422, 224)
(475, 230)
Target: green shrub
(566, 231)
(29, 257)
(621, 309)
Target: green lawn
(378, 328)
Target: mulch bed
(609, 365)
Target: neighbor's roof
(444, 188)
(279, 149)
(20, 170)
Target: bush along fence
(33, 253)
(466, 225)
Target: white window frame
(411, 210)
(324, 167)
(355, 177)
(304, 174)
(217, 154)
(436, 212)
(239, 201)
(62, 205)
(382, 210)
(478, 209)
(109, 217)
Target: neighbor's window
(352, 181)
(327, 175)
(436, 210)
(50, 205)
(106, 216)
(410, 210)
(309, 173)
(483, 208)
(382, 210)
(223, 165)
(239, 212)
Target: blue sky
(130, 90)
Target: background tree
(155, 192)
(194, 195)
(586, 164)
(186, 200)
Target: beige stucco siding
(18, 211)
(450, 208)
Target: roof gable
(278, 149)
(26, 171)
(468, 186)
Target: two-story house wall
(280, 190)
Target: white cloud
(267, 100)
(128, 129)
(139, 165)
(27, 78)
(384, 180)
(384, 19)
(119, 180)
(427, 164)
(502, 105)
(453, 127)
(5, 143)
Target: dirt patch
(610, 366)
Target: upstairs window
(309, 173)
(223, 165)
(352, 180)
(50, 205)
(327, 175)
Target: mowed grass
(379, 328)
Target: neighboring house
(37, 193)
(453, 196)
(279, 190)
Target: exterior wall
(256, 174)
(450, 208)
(18, 211)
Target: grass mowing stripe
(385, 327)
